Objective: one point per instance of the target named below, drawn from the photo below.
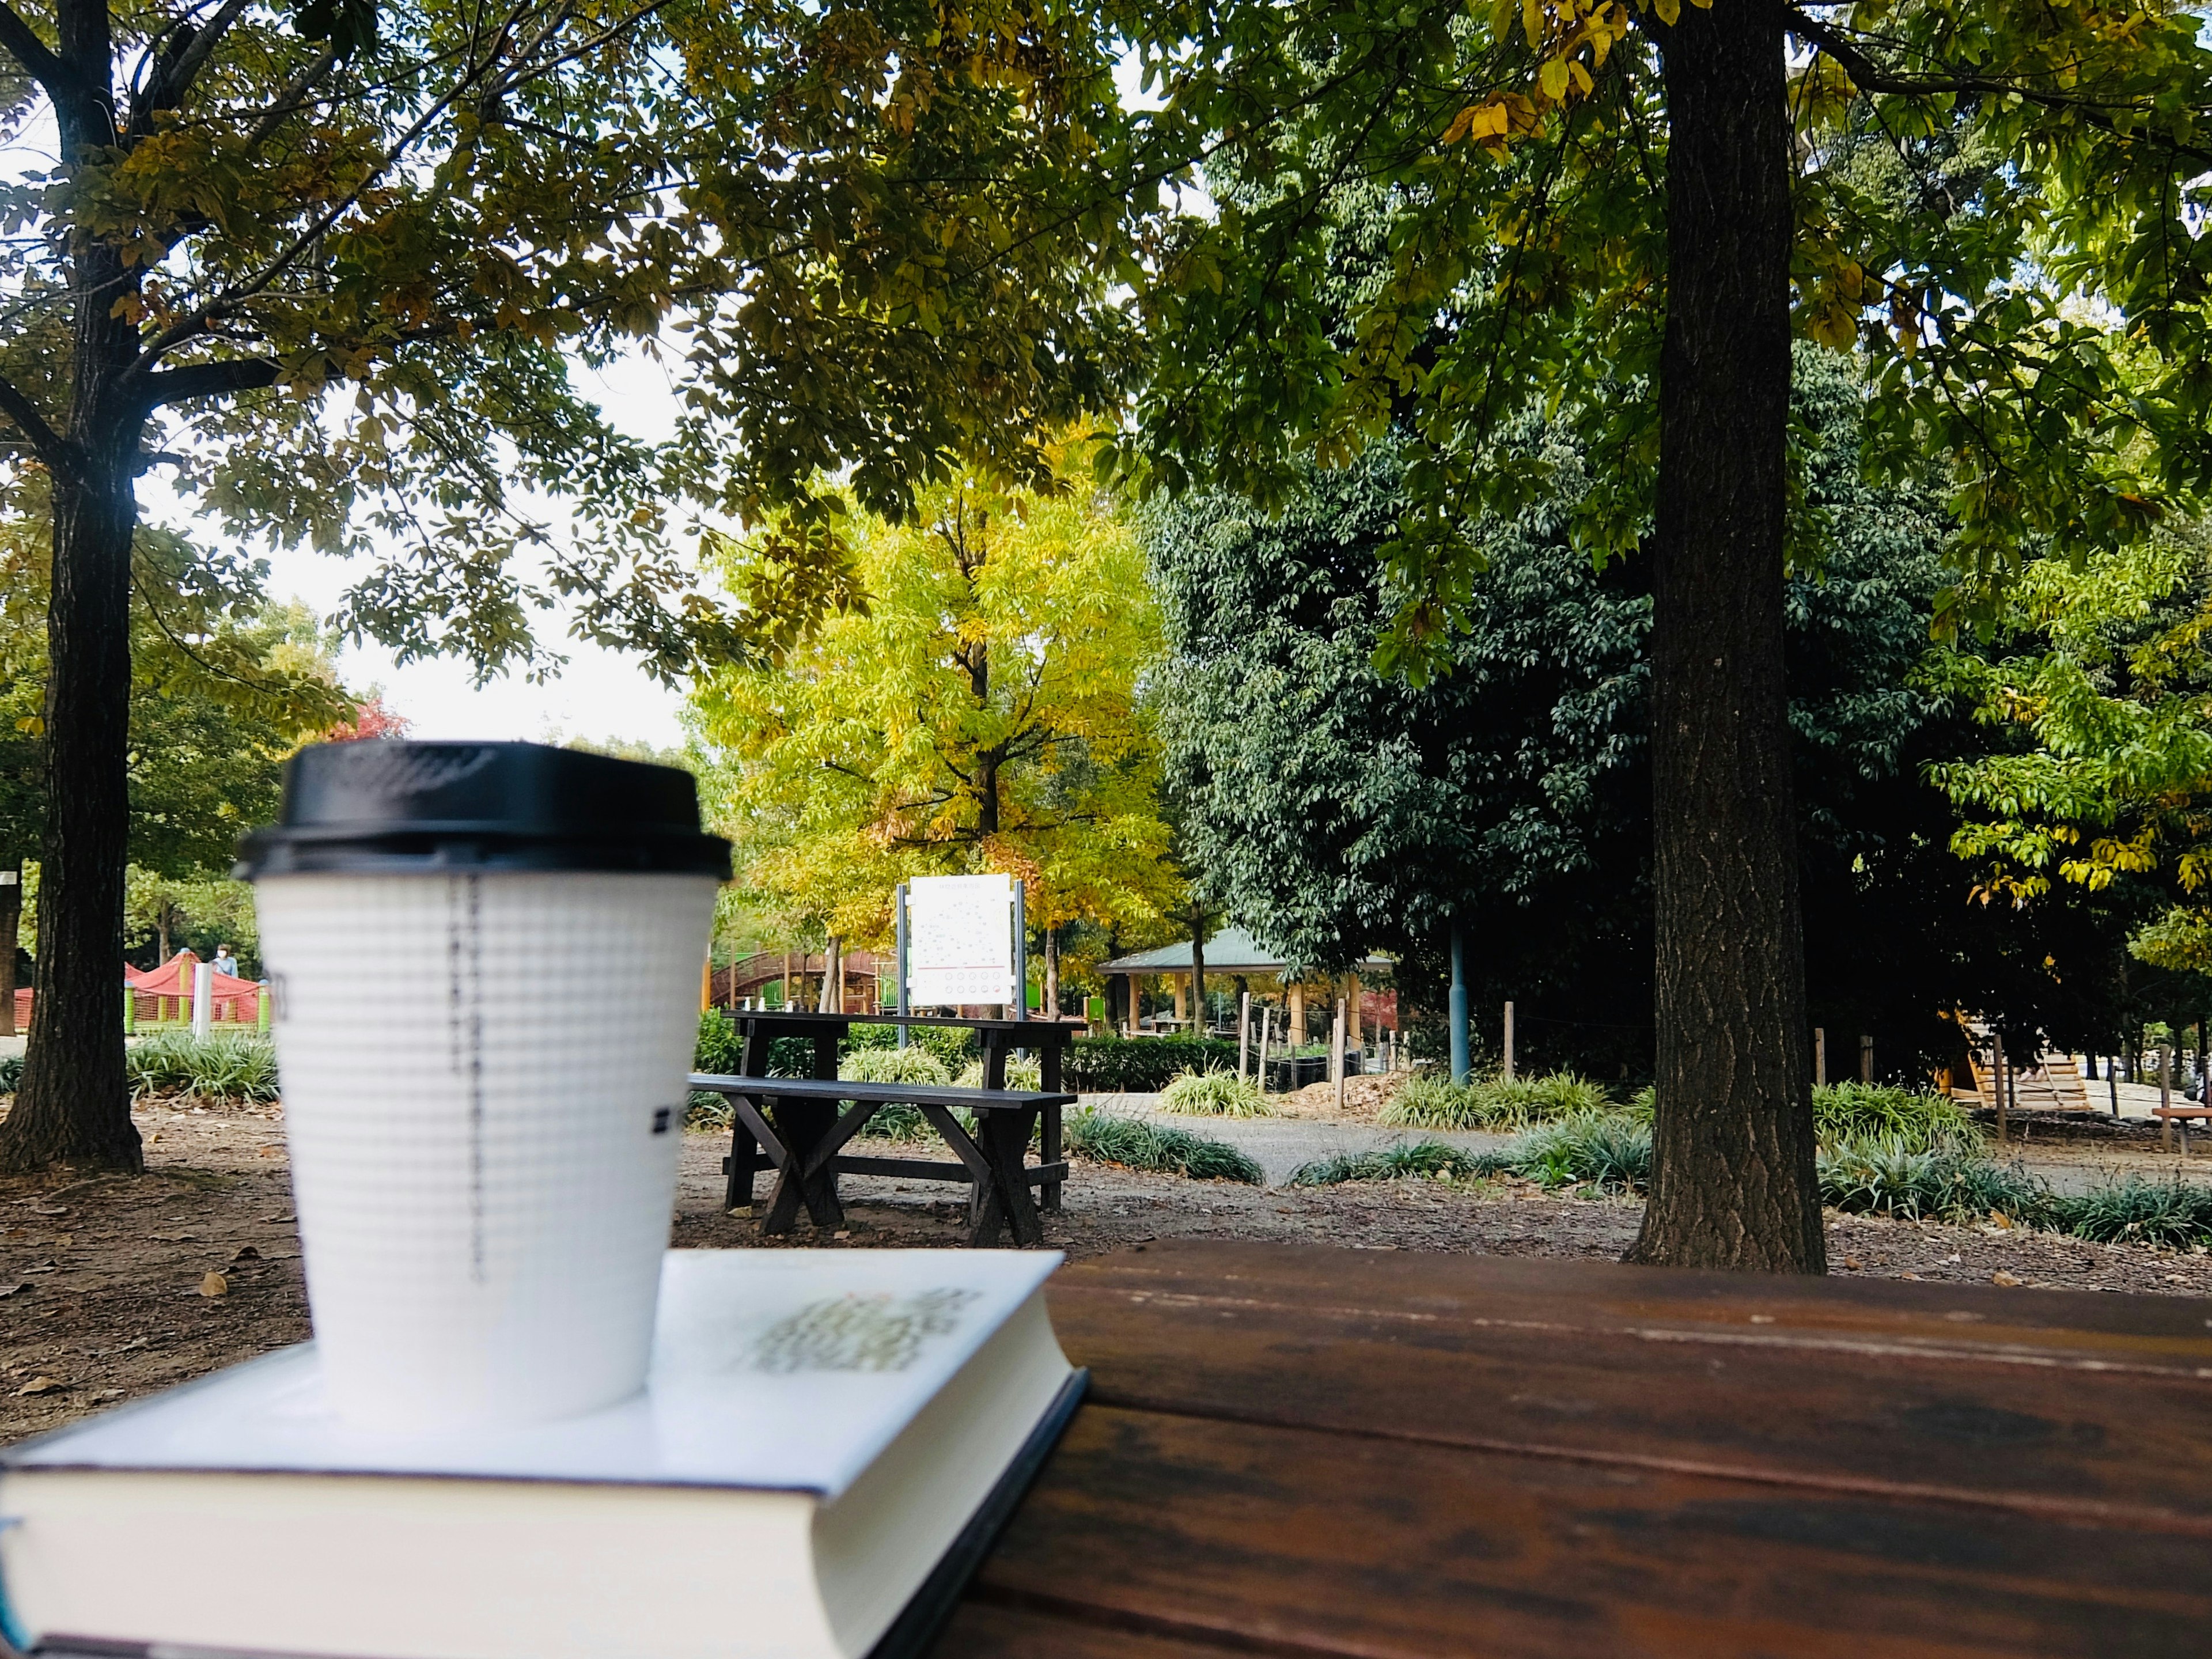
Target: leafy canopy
(360, 248)
(978, 706)
(1996, 204)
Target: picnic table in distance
(795, 1126)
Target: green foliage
(226, 1069)
(1020, 1073)
(914, 1065)
(2176, 1213)
(1141, 1066)
(11, 1067)
(979, 712)
(1105, 1138)
(1903, 1117)
(1213, 1094)
(1419, 1159)
(1890, 1176)
(1429, 1101)
(1604, 1151)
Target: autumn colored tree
(330, 265)
(1622, 215)
(977, 706)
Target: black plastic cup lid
(393, 807)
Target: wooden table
(1301, 1451)
(758, 1028)
(806, 1145)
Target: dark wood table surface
(1303, 1451)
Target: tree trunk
(1052, 970)
(1732, 1182)
(73, 1105)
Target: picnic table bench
(1293, 1449)
(2171, 1118)
(793, 1124)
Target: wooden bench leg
(1007, 1201)
(739, 1166)
(1048, 1152)
(803, 1124)
(2165, 1134)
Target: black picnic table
(794, 1124)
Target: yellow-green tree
(976, 706)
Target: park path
(1280, 1145)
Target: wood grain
(1298, 1450)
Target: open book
(827, 1442)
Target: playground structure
(161, 998)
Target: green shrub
(1214, 1094)
(953, 1045)
(1888, 1175)
(1609, 1151)
(706, 1111)
(915, 1065)
(1105, 1138)
(1020, 1074)
(2173, 1212)
(1432, 1101)
(1419, 1158)
(1141, 1066)
(11, 1072)
(226, 1069)
(1866, 1111)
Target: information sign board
(960, 940)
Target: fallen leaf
(214, 1284)
(2001, 1277)
(1852, 1262)
(107, 1394)
(42, 1385)
(246, 1253)
(840, 1235)
(17, 1289)
(49, 1209)
(44, 1267)
(1915, 1276)
(174, 1238)
(64, 1240)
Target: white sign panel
(960, 940)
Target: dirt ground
(112, 1287)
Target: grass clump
(914, 1064)
(227, 1069)
(1414, 1160)
(11, 1072)
(2174, 1213)
(1020, 1074)
(1867, 1112)
(1890, 1174)
(1213, 1094)
(1105, 1138)
(1605, 1152)
(1430, 1101)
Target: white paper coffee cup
(485, 959)
(483, 1084)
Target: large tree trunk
(1732, 1168)
(73, 1105)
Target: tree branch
(39, 61)
(1869, 76)
(56, 450)
(211, 379)
(173, 76)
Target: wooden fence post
(1509, 1042)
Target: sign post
(899, 967)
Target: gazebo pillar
(1297, 1015)
(1352, 1009)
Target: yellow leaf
(1532, 22)
(1582, 76)
(1458, 126)
(1552, 78)
(1670, 11)
(214, 1284)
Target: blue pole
(1459, 1055)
